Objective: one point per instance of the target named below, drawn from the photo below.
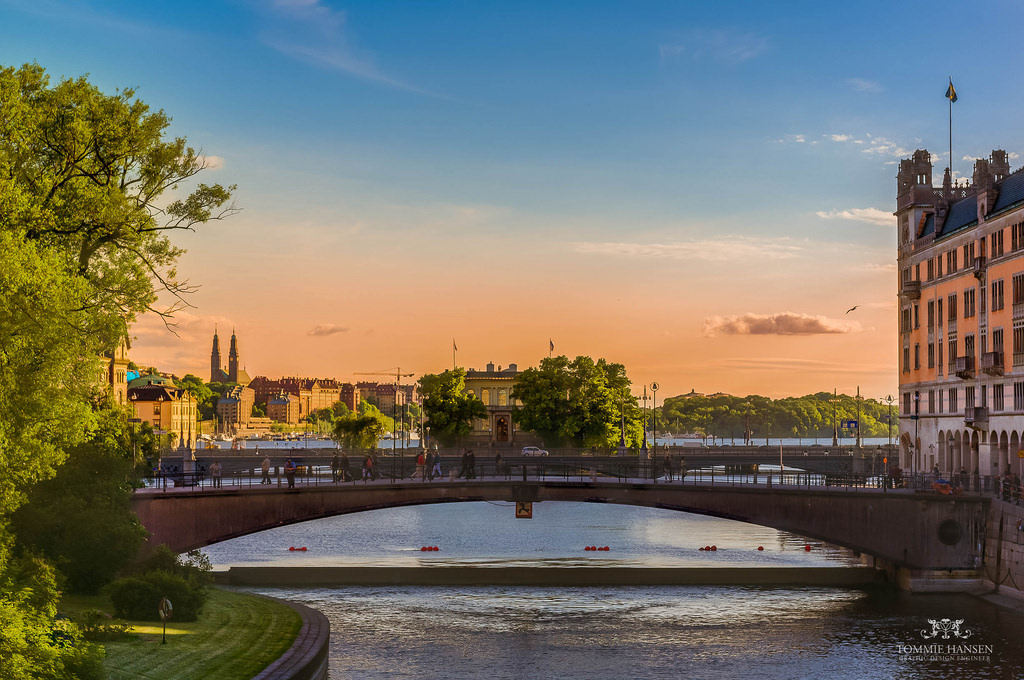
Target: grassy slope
(237, 636)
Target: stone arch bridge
(925, 540)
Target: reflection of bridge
(920, 536)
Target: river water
(628, 631)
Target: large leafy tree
(581, 402)
(358, 432)
(85, 219)
(448, 409)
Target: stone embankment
(546, 576)
(306, 659)
(1004, 549)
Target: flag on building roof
(551, 344)
(950, 92)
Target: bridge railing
(399, 470)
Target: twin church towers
(234, 374)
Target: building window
(1018, 396)
(951, 261)
(995, 243)
(968, 254)
(917, 356)
(938, 266)
(938, 312)
(952, 400)
(931, 314)
(997, 340)
(1018, 343)
(906, 359)
(997, 397)
(502, 398)
(997, 295)
(952, 345)
(1017, 236)
(951, 309)
(931, 401)
(1017, 284)
(931, 355)
(969, 308)
(969, 396)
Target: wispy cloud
(782, 323)
(864, 85)
(326, 329)
(314, 33)
(870, 215)
(711, 250)
(730, 47)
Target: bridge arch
(868, 521)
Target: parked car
(534, 451)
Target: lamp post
(835, 427)
(654, 417)
(889, 399)
(917, 428)
(622, 423)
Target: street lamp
(917, 427)
(835, 427)
(654, 417)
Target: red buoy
(714, 547)
(807, 548)
(760, 547)
(423, 548)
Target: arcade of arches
(975, 452)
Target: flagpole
(951, 96)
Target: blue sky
(696, 190)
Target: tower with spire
(233, 359)
(216, 372)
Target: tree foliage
(84, 222)
(814, 415)
(358, 432)
(448, 409)
(578, 403)
(81, 519)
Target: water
(630, 631)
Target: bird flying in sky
(851, 309)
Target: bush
(138, 597)
(97, 625)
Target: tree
(84, 224)
(448, 409)
(81, 519)
(358, 432)
(577, 403)
(204, 396)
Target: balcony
(979, 267)
(911, 290)
(992, 363)
(975, 415)
(963, 367)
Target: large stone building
(170, 410)
(961, 254)
(234, 409)
(493, 386)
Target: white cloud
(730, 47)
(213, 162)
(326, 329)
(711, 250)
(781, 323)
(863, 85)
(870, 215)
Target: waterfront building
(169, 409)
(493, 386)
(283, 408)
(234, 409)
(310, 394)
(960, 255)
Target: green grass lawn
(236, 636)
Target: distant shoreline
(461, 575)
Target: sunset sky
(699, 191)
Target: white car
(534, 451)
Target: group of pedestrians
(1008, 487)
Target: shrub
(138, 597)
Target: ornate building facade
(493, 386)
(170, 410)
(961, 346)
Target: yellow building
(961, 255)
(170, 410)
(493, 386)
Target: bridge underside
(916, 531)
